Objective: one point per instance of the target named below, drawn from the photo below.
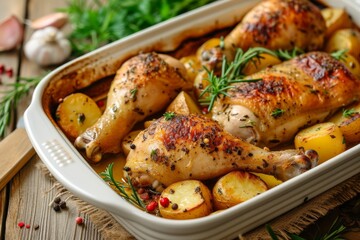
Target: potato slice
(335, 19)
(236, 187)
(188, 199)
(270, 180)
(192, 65)
(345, 39)
(76, 113)
(183, 104)
(352, 64)
(258, 63)
(207, 46)
(348, 120)
(128, 140)
(325, 138)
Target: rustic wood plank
(31, 193)
(16, 151)
(10, 60)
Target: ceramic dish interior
(67, 164)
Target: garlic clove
(11, 32)
(57, 20)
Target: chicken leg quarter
(196, 147)
(290, 96)
(143, 85)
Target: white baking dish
(72, 170)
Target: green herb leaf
(277, 112)
(169, 115)
(134, 199)
(340, 54)
(230, 73)
(289, 54)
(11, 98)
(349, 112)
(97, 23)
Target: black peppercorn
(56, 207)
(57, 200)
(174, 206)
(62, 204)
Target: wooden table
(27, 196)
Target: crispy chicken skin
(196, 147)
(143, 85)
(289, 96)
(280, 24)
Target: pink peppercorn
(151, 206)
(2, 68)
(21, 224)
(100, 103)
(79, 220)
(9, 72)
(27, 226)
(164, 202)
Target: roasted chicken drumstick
(289, 96)
(280, 24)
(143, 85)
(196, 147)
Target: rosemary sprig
(334, 233)
(340, 54)
(230, 73)
(134, 199)
(288, 54)
(11, 98)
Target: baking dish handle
(69, 168)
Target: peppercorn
(21, 224)
(9, 72)
(151, 206)
(174, 206)
(132, 146)
(27, 226)
(79, 220)
(164, 202)
(62, 204)
(57, 200)
(36, 226)
(56, 207)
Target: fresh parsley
(96, 23)
(169, 115)
(349, 112)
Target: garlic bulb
(48, 46)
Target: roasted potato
(348, 39)
(236, 187)
(270, 180)
(76, 113)
(335, 19)
(352, 64)
(192, 65)
(200, 83)
(325, 138)
(183, 104)
(348, 120)
(188, 199)
(256, 64)
(128, 140)
(207, 46)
